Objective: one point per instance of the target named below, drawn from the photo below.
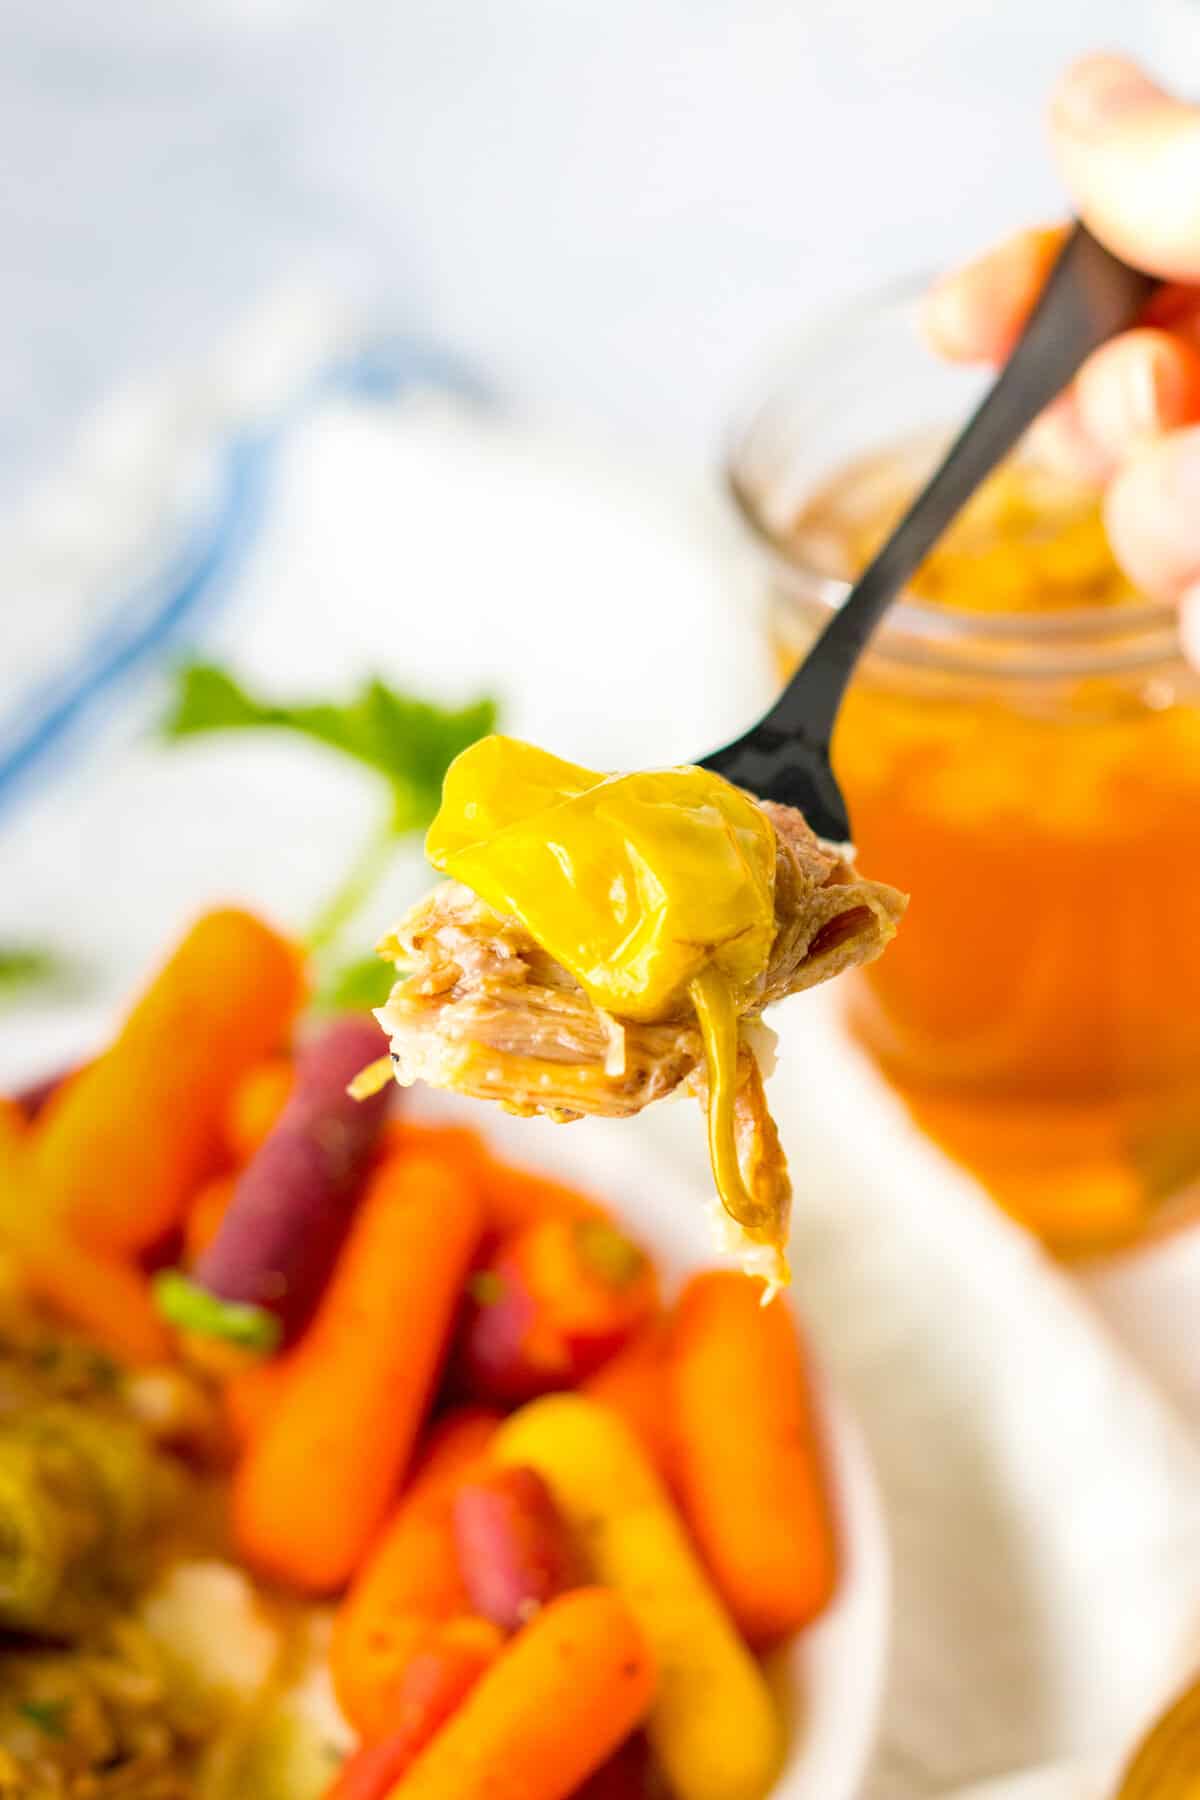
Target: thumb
(1130, 154)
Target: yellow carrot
(547, 1713)
(315, 1484)
(713, 1725)
(120, 1150)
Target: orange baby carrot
(749, 1468)
(106, 1296)
(14, 1122)
(570, 1687)
(410, 1576)
(251, 1394)
(205, 1213)
(431, 1686)
(635, 1384)
(314, 1487)
(515, 1198)
(255, 1105)
(120, 1149)
(555, 1301)
(455, 1142)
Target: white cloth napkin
(1035, 1438)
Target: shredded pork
(482, 1009)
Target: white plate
(831, 1678)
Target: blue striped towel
(135, 603)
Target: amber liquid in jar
(1039, 1010)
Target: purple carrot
(260, 1278)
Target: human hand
(1130, 154)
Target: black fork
(1091, 296)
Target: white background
(611, 204)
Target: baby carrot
(255, 1105)
(555, 1302)
(513, 1548)
(431, 1686)
(106, 1296)
(749, 1466)
(205, 1213)
(251, 1394)
(713, 1726)
(548, 1712)
(515, 1198)
(14, 1122)
(411, 1576)
(314, 1487)
(121, 1148)
(259, 1280)
(634, 1384)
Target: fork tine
(785, 767)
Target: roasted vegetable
(412, 1578)
(314, 1486)
(713, 1726)
(558, 1299)
(80, 1494)
(121, 1147)
(635, 1383)
(276, 1243)
(432, 1685)
(748, 1462)
(548, 1712)
(513, 1548)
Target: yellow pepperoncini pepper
(653, 890)
(635, 883)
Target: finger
(1060, 441)
(1152, 513)
(1141, 386)
(975, 314)
(1189, 625)
(1131, 157)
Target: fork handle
(1090, 296)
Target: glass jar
(1032, 779)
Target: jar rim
(912, 627)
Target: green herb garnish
(357, 986)
(190, 1307)
(407, 743)
(25, 966)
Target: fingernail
(1098, 92)
(1151, 391)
